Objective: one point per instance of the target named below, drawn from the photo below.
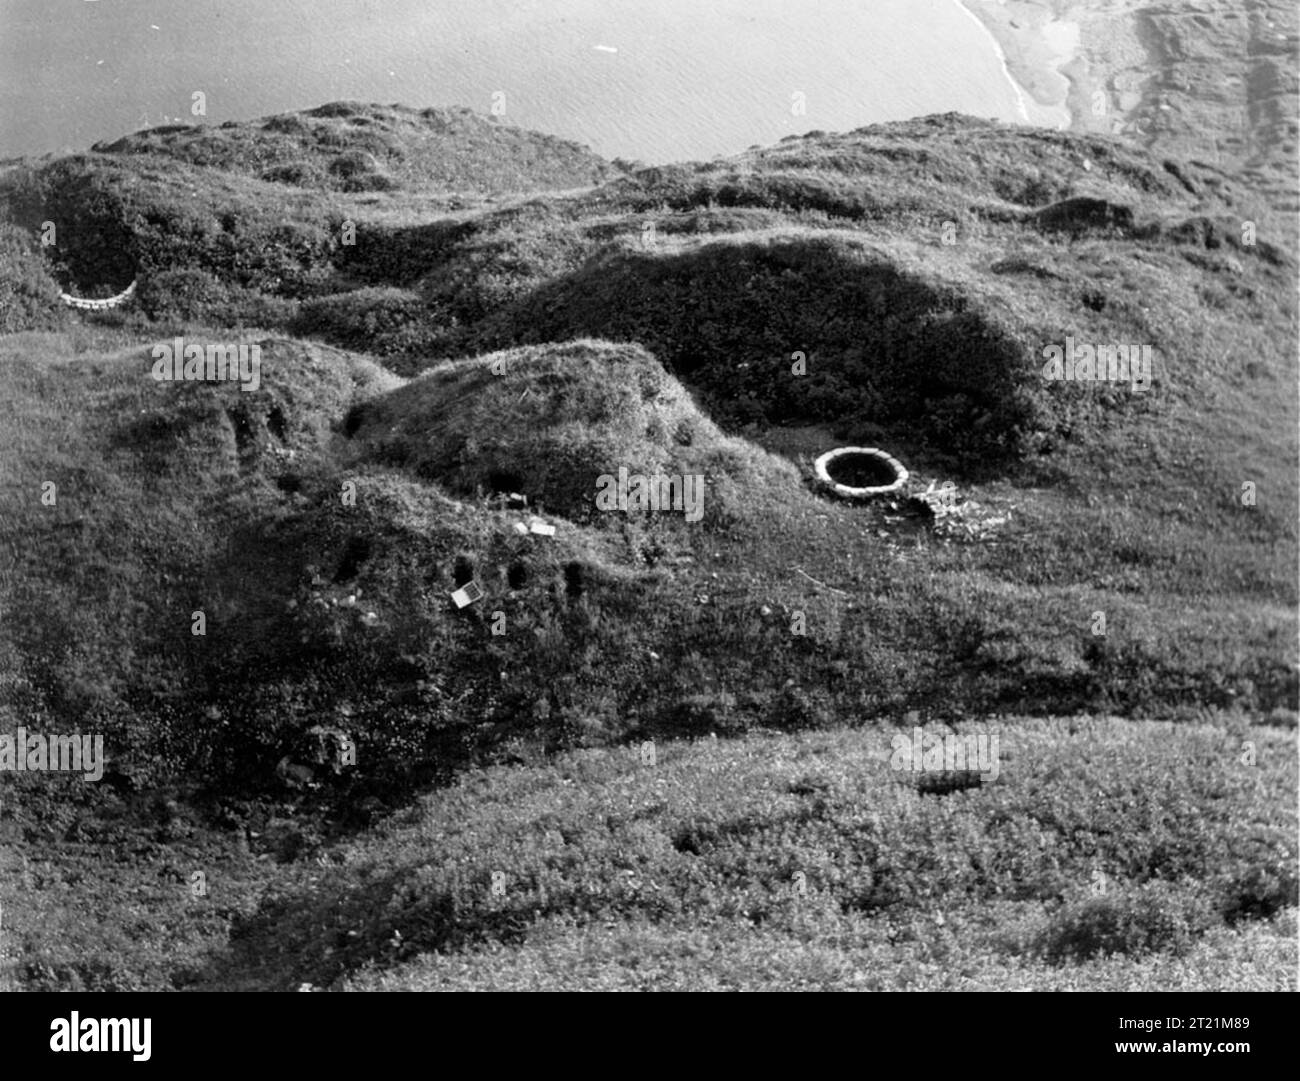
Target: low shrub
(1152, 918)
(375, 320)
(29, 295)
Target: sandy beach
(1082, 65)
(1212, 84)
(1098, 61)
(1035, 48)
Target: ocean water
(652, 80)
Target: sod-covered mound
(792, 326)
(29, 293)
(351, 146)
(257, 596)
(233, 224)
(558, 424)
(896, 286)
(898, 283)
(165, 498)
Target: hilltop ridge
(357, 147)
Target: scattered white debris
(521, 529)
(542, 529)
(467, 594)
(966, 520)
(940, 497)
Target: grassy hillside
(426, 356)
(237, 222)
(1106, 855)
(351, 146)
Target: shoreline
(1127, 69)
(1039, 43)
(1002, 58)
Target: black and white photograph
(677, 495)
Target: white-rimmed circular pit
(889, 463)
(99, 305)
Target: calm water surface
(654, 80)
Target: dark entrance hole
(517, 575)
(504, 482)
(861, 471)
(275, 423)
(355, 552)
(574, 579)
(463, 571)
(353, 420)
(244, 438)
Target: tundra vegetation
(451, 312)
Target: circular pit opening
(860, 472)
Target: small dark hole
(463, 571)
(289, 482)
(356, 552)
(275, 423)
(941, 784)
(504, 482)
(353, 420)
(517, 575)
(574, 583)
(687, 841)
(243, 430)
